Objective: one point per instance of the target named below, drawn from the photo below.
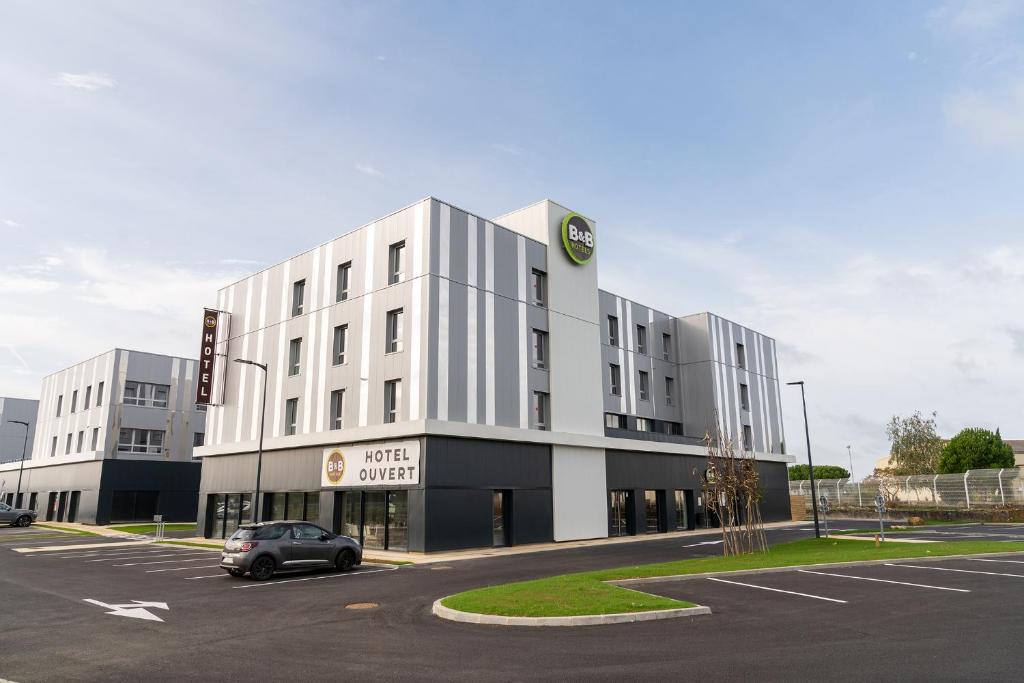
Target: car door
(6, 513)
(307, 546)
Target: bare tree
(732, 493)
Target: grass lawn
(151, 528)
(585, 593)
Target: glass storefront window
(398, 520)
(231, 518)
(351, 514)
(620, 501)
(374, 521)
(651, 511)
(681, 522)
(313, 507)
(219, 502)
(296, 505)
(277, 507)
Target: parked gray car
(16, 516)
(264, 548)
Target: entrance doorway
(500, 518)
(73, 505)
(379, 520)
(621, 513)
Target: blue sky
(845, 178)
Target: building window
(613, 330)
(643, 424)
(53, 447)
(670, 390)
(645, 386)
(338, 409)
(641, 339)
(298, 297)
(67, 444)
(539, 286)
(748, 438)
(81, 441)
(88, 396)
(60, 404)
(392, 400)
(198, 439)
(340, 341)
(614, 379)
(540, 349)
(295, 357)
(666, 346)
(396, 262)
(344, 274)
(140, 441)
(614, 421)
(291, 416)
(74, 400)
(146, 394)
(540, 410)
(95, 438)
(741, 356)
(681, 522)
(744, 397)
(393, 336)
(99, 394)
(672, 428)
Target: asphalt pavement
(68, 616)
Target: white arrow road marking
(694, 545)
(136, 609)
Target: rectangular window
(744, 397)
(681, 522)
(60, 404)
(81, 441)
(741, 356)
(614, 421)
(95, 438)
(666, 346)
(396, 262)
(74, 400)
(337, 409)
(344, 274)
(393, 337)
(340, 342)
(392, 400)
(540, 410)
(641, 339)
(146, 394)
(291, 415)
(645, 386)
(670, 390)
(295, 357)
(67, 444)
(643, 424)
(539, 287)
(99, 394)
(748, 438)
(88, 397)
(198, 439)
(613, 330)
(540, 348)
(298, 297)
(53, 447)
(672, 428)
(614, 379)
(148, 441)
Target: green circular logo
(578, 238)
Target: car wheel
(24, 520)
(236, 572)
(262, 568)
(346, 560)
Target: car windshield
(243, 534)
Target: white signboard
(389, 463)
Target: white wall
(579, 493)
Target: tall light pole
(810, 463)
(850, 454)
(259, 451)
(21, 468)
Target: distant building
(12, 436)
(114, 441)
(1018, 450)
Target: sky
(844, 177)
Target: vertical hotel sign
(210, 383)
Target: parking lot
(79, 611)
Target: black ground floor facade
(471, 493)
(110, 491)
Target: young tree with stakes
(732, 494)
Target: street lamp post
(21, 467)
(850, 454)
(810, 463)
(259, 451)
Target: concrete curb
(580, 620)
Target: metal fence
(974, 488)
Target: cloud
(1017, 339)
(10, 223)
(991, 119)
(368, 170)
(87, 81)
(514, 150)
(976, 16)
(239, 262)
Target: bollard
(877, 543)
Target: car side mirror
(325, 537)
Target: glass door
(374, 519)
(398, 520)
(651, 512)
(619, 522)
(498, 518)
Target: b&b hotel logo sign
(578, 238)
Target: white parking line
(105, 553)
(778, 590)
(979, 559)
(950, 569)
(142, 557)
(314, 578)
(134, 564)
(901, 583)
(181, 569)
(208, 576)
